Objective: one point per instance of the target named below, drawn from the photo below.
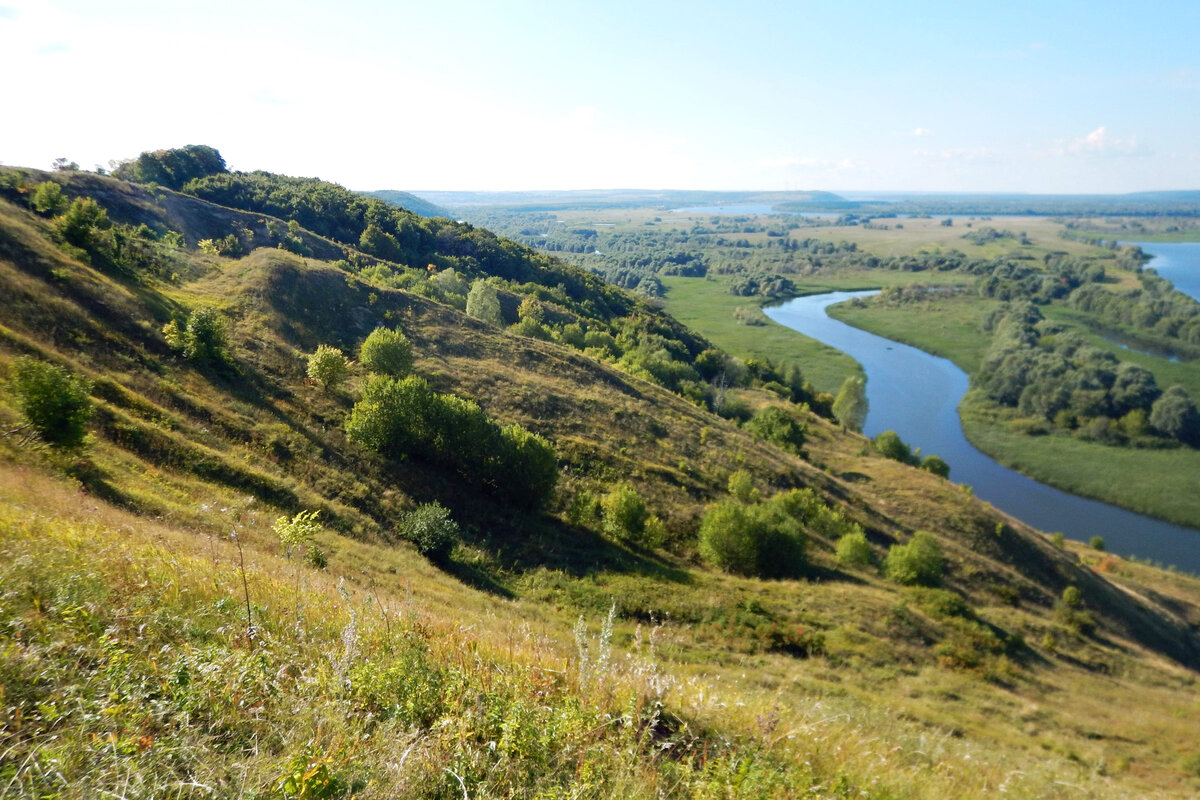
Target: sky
(1045, 97)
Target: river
(917, 394)
(1178, 262)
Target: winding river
(917, 394)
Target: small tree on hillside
(201, 338)
(850, 405)
(55, 403)
(431, 530)
(387, 352)
(328, 367)
(625, 513)
(48, 199)
(918, 562)
(483, 303)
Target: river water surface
(1178, 262)
(917, 394)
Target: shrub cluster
(55, 403)
(917, 563)
(386, 352)
(404, 417)
(430, 528)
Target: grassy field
(707, 306)
(948, 328)
(929, 235)
(1160, 483)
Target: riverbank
(1158, 483)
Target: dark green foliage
(918, 562)
(430, 528)
(1052, 374)
(172, 168)
(774, 425)
(889, 445)
(936, 465)
(404, 417)
(756, 540)
(1175, 415)
(201, 338)
(530, 465)
(625, 513)
(386, 352)
(55, 403)
(1096, 543)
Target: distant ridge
(641, 198)
(409, 202)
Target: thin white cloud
(1101, 143)
(922, 133)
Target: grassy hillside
(147, 651)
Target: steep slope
(202, 448)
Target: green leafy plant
(918, 562)
(430, 528)
(853, 550)
(328, 367)
(625, 513)
(298, 532)
(55, 403)
(387, 352)
(201, 338)
(752, 540)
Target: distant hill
(1177, 203)
(631, 198)
(409, 202)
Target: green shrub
(918, 562)
(741, 486)
(298, 533)
(1096, 543)
(201, 338)
(625, 513)
(853, 550)
(758, 540)
(528, 464)
(48, 199)
(55, 403)
(774, 425)
(936, 465)
(483, 303)
(799, 504)
(890, 445)
(404, 417)
(386, 352)
(328, 367)
(430, 528)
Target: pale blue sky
(930, 96)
